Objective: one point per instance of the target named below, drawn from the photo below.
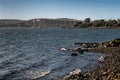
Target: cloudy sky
(77, 9)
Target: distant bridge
(48, 23)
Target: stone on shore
(111, 43)
(73, 73)
(109, 68)
(74, 53)
(101, 59)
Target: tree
(99, 23)
(87, 20)
(78, 24)
(112, 23)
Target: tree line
(111, 23)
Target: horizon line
(60, 18)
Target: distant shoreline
(61, 22)
(60, 27)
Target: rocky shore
(110, 66)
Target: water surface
(35, 53)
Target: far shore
(61, 22)
(63, 27)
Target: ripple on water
(34, 53)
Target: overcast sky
(77, 9)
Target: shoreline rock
(109, 69)
(111, 43)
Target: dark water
(33, 53)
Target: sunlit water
(35, 53)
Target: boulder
(80, 50)
(74, 53)
(113, 43)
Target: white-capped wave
(35, 74)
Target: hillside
(61, 22)
(9, 22)
(48, 23)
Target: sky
(75, 9)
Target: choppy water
(34, 53)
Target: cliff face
(47, 23)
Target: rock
(78, 44)
(74, 53)
(80, 50)
(101, 59)
(63, 49)
(109, 68)
(76, 71)
(113, 43)
(73, 75)
(86, 45)
(104, 73)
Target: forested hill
(102, 23)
